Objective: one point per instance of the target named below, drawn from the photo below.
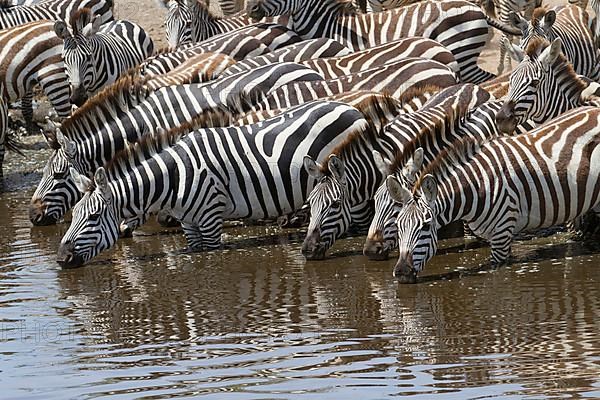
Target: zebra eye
(336, 203)
(535, 82)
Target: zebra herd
(373, 116)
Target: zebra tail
(503, 27)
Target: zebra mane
(538, 14)
(151, 144)
(561, 66)
(418, 90)
(460, 152)
(79, 20)
(453, 115)
(122, 95)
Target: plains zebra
(247, 172)
(381, 5)
(542, 86)
(387, 53)
(569, 24)
(202, 68)
(393, 79)
(55, 10)
(30, 54)
(342, 199)
(95, 55)
(525, 107)
(458, 25)
(505, 7)
(248, 42)
(231, 7)
(541, 185)
(301, 51)
(595, 5)
(112, 118)
(190, 21)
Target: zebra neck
(457, 197)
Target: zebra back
(301, 51)
(55, 10)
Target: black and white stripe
(96, 55)
(55, 10)
(546, 177)
(458, 25)
(207, 176)
(110, 120)
(248, 42)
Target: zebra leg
(27, 110)
(129, 225)
(500, 244)
(200, 238)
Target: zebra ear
(101, 180)
(312, 167)
(381, 163)
(336, 167)
(93, 27)
(68, 146)
(398, 192)
(513, 50)
(515, 19)
(429, 188)
(550, 54)
(61, 30)
(82, 182)
(413, 166)
(549, 19)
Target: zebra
(55, 10)
(113, 117)
(202, 68)
(499, 188)
(557, 81)
(342, 199)
(190, 21)
(386, 53)
(30, 54)
(394, 79)
(458, 25)
(231, 7)
(369, 6)
(245, 172)
(96, 55)
(568, 24)
(248, 42)
(542, 86)
(506, 7)
(301, 51)
(595, 5)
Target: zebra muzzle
(375, 250)
(404, 271)
(506, 119)
(66, 256)
(312, 248)
(38, 216)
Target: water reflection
(255, 321)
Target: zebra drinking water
(206, 176)
(546, 177)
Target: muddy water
(256, 321)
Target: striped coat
(549, 176)
(55, 10)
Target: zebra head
(383, 235)
(329, 206)
(95, 224)
(77, 56)
(416, 224)
(539, 27)
(57, 191)
(178, 22)
(530, 87)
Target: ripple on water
(256, 321)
